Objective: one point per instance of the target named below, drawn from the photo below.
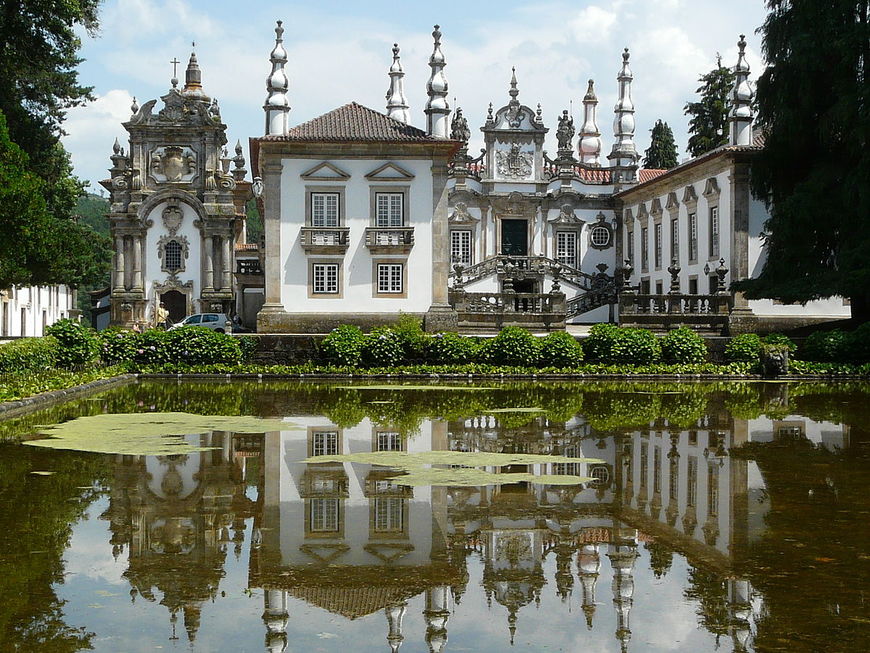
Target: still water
(730, 517)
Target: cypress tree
(662, 151)
(814, 107)
(708, 125)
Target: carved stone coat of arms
(514, 163)
(173, 163)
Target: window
(600, 236)
(675, 239)
(209, 317)
(460, 246)
(324, 209)
(693, 237)
(657, 236)
(566, 248)
(714, 232)
(324, 443)
(389, 441)
(389, 514)
(657, 470)
(674, 479)
(173, 254)
(324, 515)
(600, 475)
(390, 278)
(324, 278)
(712, 490)
(631, 247)
(644, 248)
(389, 209)
(193, 319)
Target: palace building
(367, 216)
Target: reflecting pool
(722, 516)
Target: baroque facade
(177, 209)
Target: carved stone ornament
(172, 218)
(565, 131)
(180, 241)
(173, 164)
(567, 216)
(514, 115)
(514, 163)
(461, 215)
(459, 130)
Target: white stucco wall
(152, 271)
(357, 262)
(26, 311)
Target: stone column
(226, 263)
(272, 228)
(118, 283)
(208, 259)
(137, 263)
(440, 317)
(741, 319)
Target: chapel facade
(177, 208)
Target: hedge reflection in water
(791, 571)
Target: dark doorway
(176, 304)
(515, 237)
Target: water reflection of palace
(348, 539)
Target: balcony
(324, 240)
(706, 313)
(390, 240)
(493, 310)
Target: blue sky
(340, 51)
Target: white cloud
(338, 58)
(92, 131)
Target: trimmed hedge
(28, 355)
(635, 346)
(78, 345)
(512, 346)
(343, 346)
(743, 348)
(450, 349)
(683, 346)
(561, 349)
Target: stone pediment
(325, 171)
(567, 216)
(673, 204)
(461, 215)
(390, 172)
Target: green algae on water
(412, 468)
(465, 388)
(146, 434)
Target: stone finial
(397, 105)
(589, 145)
(490, 120)
(116, 148)
(741, 100)
(624, 152)
(277, 106)
(134, 107)
(193, 74)
(514, 91)
(437, 108)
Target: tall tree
(814, 107)
(708, 125)
(662, 151)
(38, 84)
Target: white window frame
(630, 252)
(389, 441)
(389, 209)
(391, 278)
(321, 209)
(324, 515)
(693, 236)
(599, 229)
(644, 248)
(657, 244)
(714, 232)
(389, 515)
(324, 443)
(675, 239)
(462, 246)
(325, 278)
(567, 250)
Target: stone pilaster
(441, 316)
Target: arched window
(173, 256)
(600, 236)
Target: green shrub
(409, 329)
(826, 347)
(683, 346)
(512, 346)
(635, 346)
(118, 346)
(78, 345)
(598, 345)
(743, 348)
(343, 346)
(248, 346)
(190, 345)
(450, 349)
(561, 349)
(780, 339)
(383, 347)
(858, 350)
(28, 355)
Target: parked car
(215, 321)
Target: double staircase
(542, 310)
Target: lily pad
(413, 468)
(41, 473)
(146, 434)
(465, 388)
(489, 411)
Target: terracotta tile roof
(355, 123)
(645, 174)
(247, 247)
(593, 175)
